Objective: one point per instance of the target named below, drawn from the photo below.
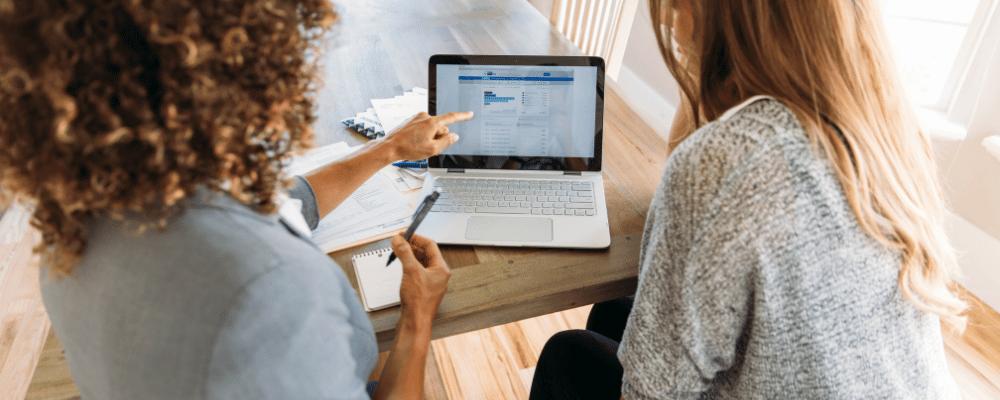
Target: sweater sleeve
(303, 191)
(699, 255)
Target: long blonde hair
(829, 61)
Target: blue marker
(409, 164)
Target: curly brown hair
(115, 106)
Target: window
(934, 41)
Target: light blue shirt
(224, 303)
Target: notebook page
(378, 284)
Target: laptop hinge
(576, 173)
(457, 170)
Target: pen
(414, 164)
(418, 217)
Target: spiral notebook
(378, 284)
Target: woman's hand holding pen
(423, 136)
(425, 277)
(425, 274)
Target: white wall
(978, 255)
(644, 81)
(971, 177)
(643, 57)
(971, 174)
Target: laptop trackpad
(509, 229)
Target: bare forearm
(403, 376)
(422, 137)
(335, 182)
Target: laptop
(526, 170)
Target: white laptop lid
(531, 112)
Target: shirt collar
(732, 111)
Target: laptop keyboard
(515, 196)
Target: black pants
(583, 364)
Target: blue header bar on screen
(513, 78)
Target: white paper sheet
(373, 209)
(403, 179)
(413, 179)
(329, 243)
(314, 159)
(395, 112)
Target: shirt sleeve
(696, 283)
(303, 191)
(288, 335)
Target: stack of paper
(405, 179)
(372, 211)
(365, 123)
(395, 112)
(387, 115)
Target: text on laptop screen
(530, 111)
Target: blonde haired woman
(794, 247)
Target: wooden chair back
(597, 27)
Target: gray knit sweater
(757, 282)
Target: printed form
(375, 209)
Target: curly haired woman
(149, 137)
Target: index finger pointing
(453, 117)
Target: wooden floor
(498, 363)
(23, 322)
(974, 357)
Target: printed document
(373, 210)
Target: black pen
(418, 217)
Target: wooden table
(379, 49)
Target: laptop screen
(531, 112)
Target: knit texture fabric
(757, 282)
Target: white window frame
(949, 118)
